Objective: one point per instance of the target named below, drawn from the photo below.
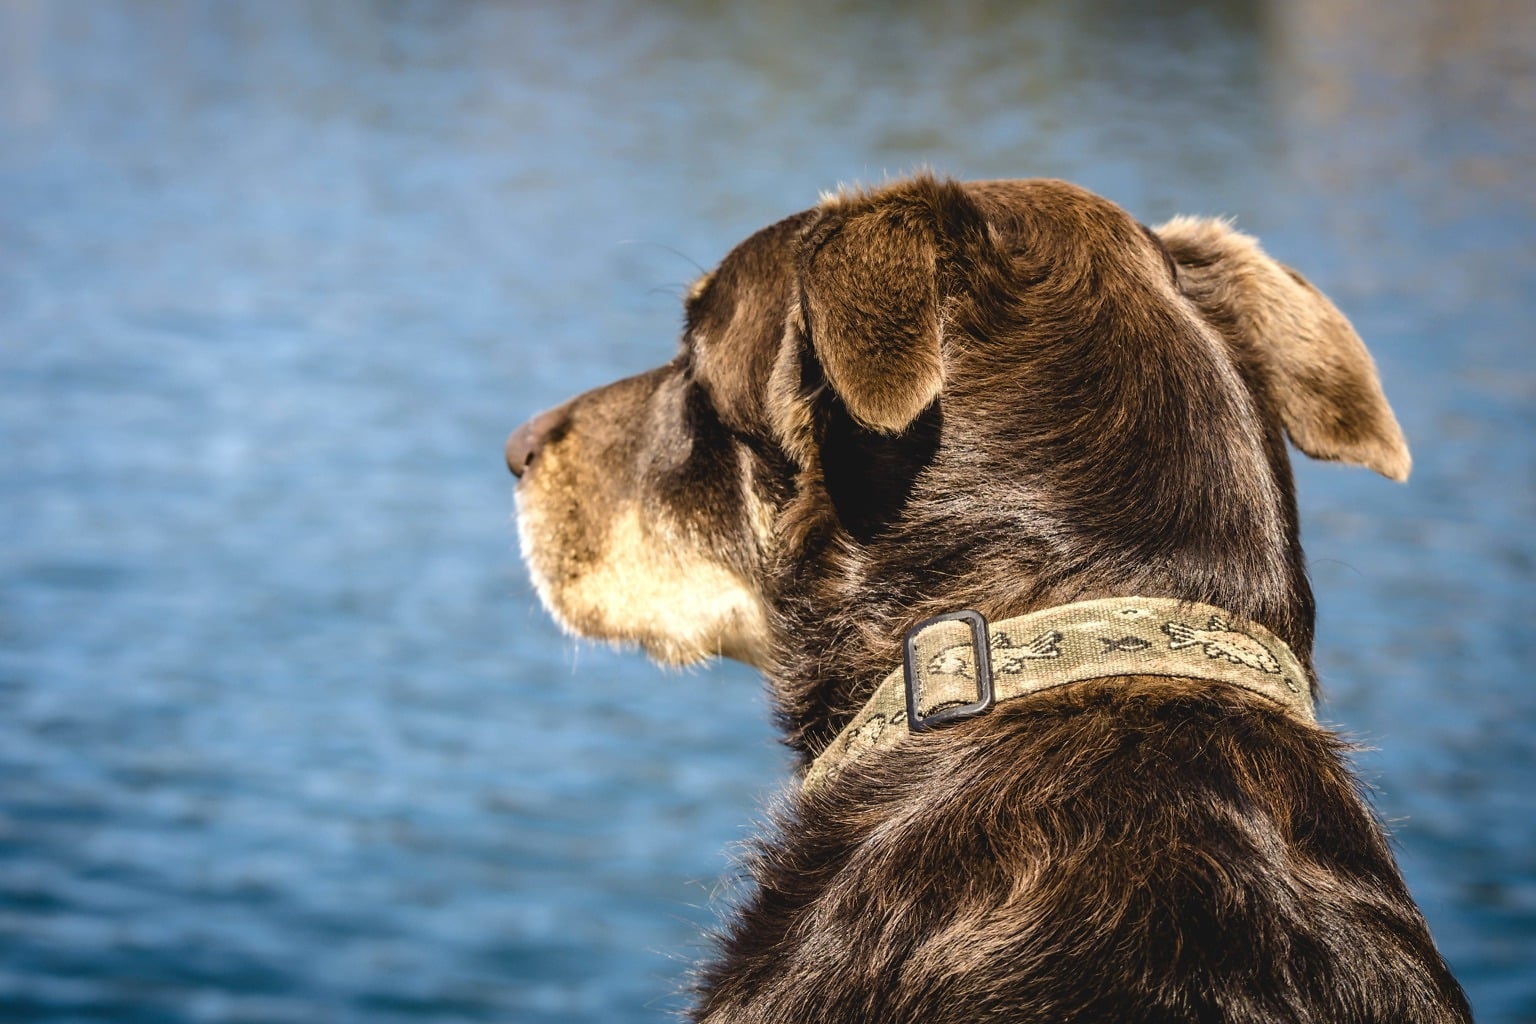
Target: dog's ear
(871, 298)
(1320, 377)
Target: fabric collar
(959, 665)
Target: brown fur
(1001, 396)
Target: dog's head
(997, 395)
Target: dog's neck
(959, 666)
(848, 638)
(1163, 485)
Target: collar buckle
(920, 660)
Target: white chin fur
(646, 589)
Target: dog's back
(1135, 850)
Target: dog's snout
(525, 442)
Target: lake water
(283, 734)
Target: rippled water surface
(283, 735)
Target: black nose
(526, 441)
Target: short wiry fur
(1001, 396)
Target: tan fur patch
(638, 581)
(697, 288)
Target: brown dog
(1013, 398)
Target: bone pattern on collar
(1132, 636)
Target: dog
(920, 444)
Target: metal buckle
(918, 722)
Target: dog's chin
(680, 609)
(739, 637)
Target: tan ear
(1321, 378)
(870, 296)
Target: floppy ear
(870, 297)
(1320, 377)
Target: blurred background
(283, 734)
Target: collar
(959, 665)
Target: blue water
(283, 734)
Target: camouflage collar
(959, 665)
